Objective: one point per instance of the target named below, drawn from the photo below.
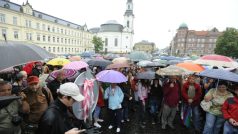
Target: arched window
(128, 23)
(49, 49)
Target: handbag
(206, 105)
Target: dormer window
(6, 6)
(40, 16)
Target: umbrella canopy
(111, 56)
(146, 75)
(75, 58)
(86, 54)
(58, 62)
(120, 60)
(76, 65)
(139, 56)
(68, 73)
(156, 64)
(144, 63)
(191, 67)
(13, 54)
(89, 89)
(117, 65)
(173, 62)
(99, 62)
(217, 60)
(220, 74)
(111, 76)
(172, 70)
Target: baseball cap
(72, 90)
(32, 79)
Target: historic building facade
(190, 42)
(118, 38)
(145, 46)
(22, 23)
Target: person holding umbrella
(115, 97)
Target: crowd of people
(36, 106)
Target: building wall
(188, 42)
(54, 37)
(148, 48)
(124, 41)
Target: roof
(201, 33)
(183, 25)
(38, 14)
(111, 22)
(94, 30)
(111, 26)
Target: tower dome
(183, 26)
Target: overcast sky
(155, 20)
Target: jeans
(125, 113)
(153, 105)
(96, 112)
(115, 116)
(196, 117)
(229, 129)
(213, 124)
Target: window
(116, 42)
(106, 41)
(69, 41)
(53, 39)
(65, 50)
(58, 49)
(26, 21)
(38, 37)
(37, 25)
(57, 39)
(43, 37)
(62, 31)
(65, 41)
(53, 49)
(62, 49)
(28, 36)
(49, 49)
(16, 34)
(49, 28)
(57, 30)
(69, 50)
(53, 29)
(62, 40)
(29, 23)
(14, 20)
(128, 24)
(48, 38)
(2, 18)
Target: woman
(214, 119)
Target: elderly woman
(214, 119)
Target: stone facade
(145, 46)
(23, 24)
(190, 42)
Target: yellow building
(22, 23)
(145, 46)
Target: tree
(227, 44)
(98, 43)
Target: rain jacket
(115, 97)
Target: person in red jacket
(230, 113)
(191, 94)
(97, 110)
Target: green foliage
(98, 44)
(227, 44)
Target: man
(191, 94)
(55, 120)
(8, 109)
(230, 113)
(171, 99)
(55, 84)
(38, 99)
(115, 97)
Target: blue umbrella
(86, 54)
(220, 74)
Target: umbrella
(117, 65)
(144, 63)
(90, 92)
(76, 65)
(68, 73)
(173, 62)
(172, 70)
(191, 67)
(86, 54)
(217, 60)
(220, 74)
(111, 76)
(155, 64)
(99, 63)
(75, 58)
(6, 100)
(111, 56)
(146, 75)
(13, 54)
(139, 55)
(120, 60)
(58, 62)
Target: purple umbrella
(111, 76)
(76, 65)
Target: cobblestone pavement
(133, 127)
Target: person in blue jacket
(115, 97)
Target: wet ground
(133, 127)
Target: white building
(118, 38)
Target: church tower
(129, 17)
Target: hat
(71, 89)
(33, 79)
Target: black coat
(55, 120)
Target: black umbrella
(6, 100)
(99, 63)
(146, 75)
(12, 54)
